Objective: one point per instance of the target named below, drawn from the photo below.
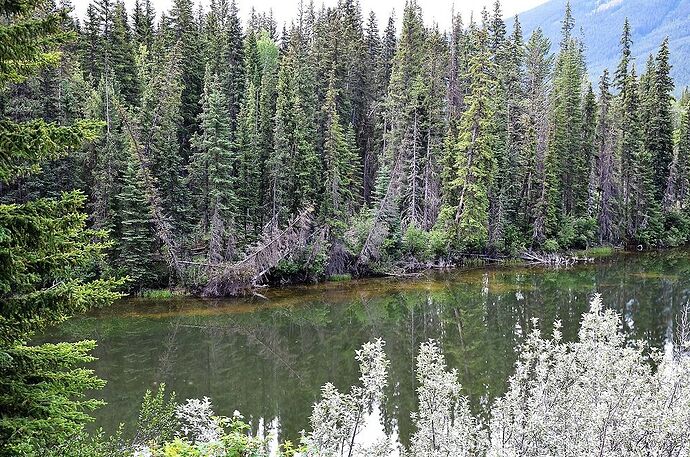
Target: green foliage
(415, 243)
(48, 263)
(551, 246)
(157, 423)
(577, 233)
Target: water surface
(268, 357)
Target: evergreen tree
(136, 245)
(248, 188)
(48, 257)
(144, 23)
(184, 33)
(605, 193)
(475, 160)
(341, 176)
(659, 131)
(569, 165)
(158, 122)
(123, 62)
(682, 184)
(211, 172)
(643, 217)
(623, 68)
(535, 206)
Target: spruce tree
(659, 133)
(136, 247)
(211, 172)
(475, 161)
(605, 193)
(48, 259)
(123, 62)
(537, 208)
(250, 158)
(184, 34)
(341, 165)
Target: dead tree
(228, 278)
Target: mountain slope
(601, 22)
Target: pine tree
(48, 255)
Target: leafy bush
(676, 229)
(438, 243)
(415, 243)
(578, 233)
(551, 246)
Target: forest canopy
(236, 153)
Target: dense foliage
(388, 150)
(49, 260)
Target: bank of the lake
(269, 357)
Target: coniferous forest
(295, 149)
(189, 149)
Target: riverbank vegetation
(238, 154)
(596, 395)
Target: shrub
(415, 243)
(594, 396)
(551, 246)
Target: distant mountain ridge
(601, 22)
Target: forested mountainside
(234, 153)
(600, 21)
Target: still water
(268, 358)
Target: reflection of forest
(271, 361)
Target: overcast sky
(283, 10)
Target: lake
(268, 357)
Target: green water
(268, 358)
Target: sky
(437, 11)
